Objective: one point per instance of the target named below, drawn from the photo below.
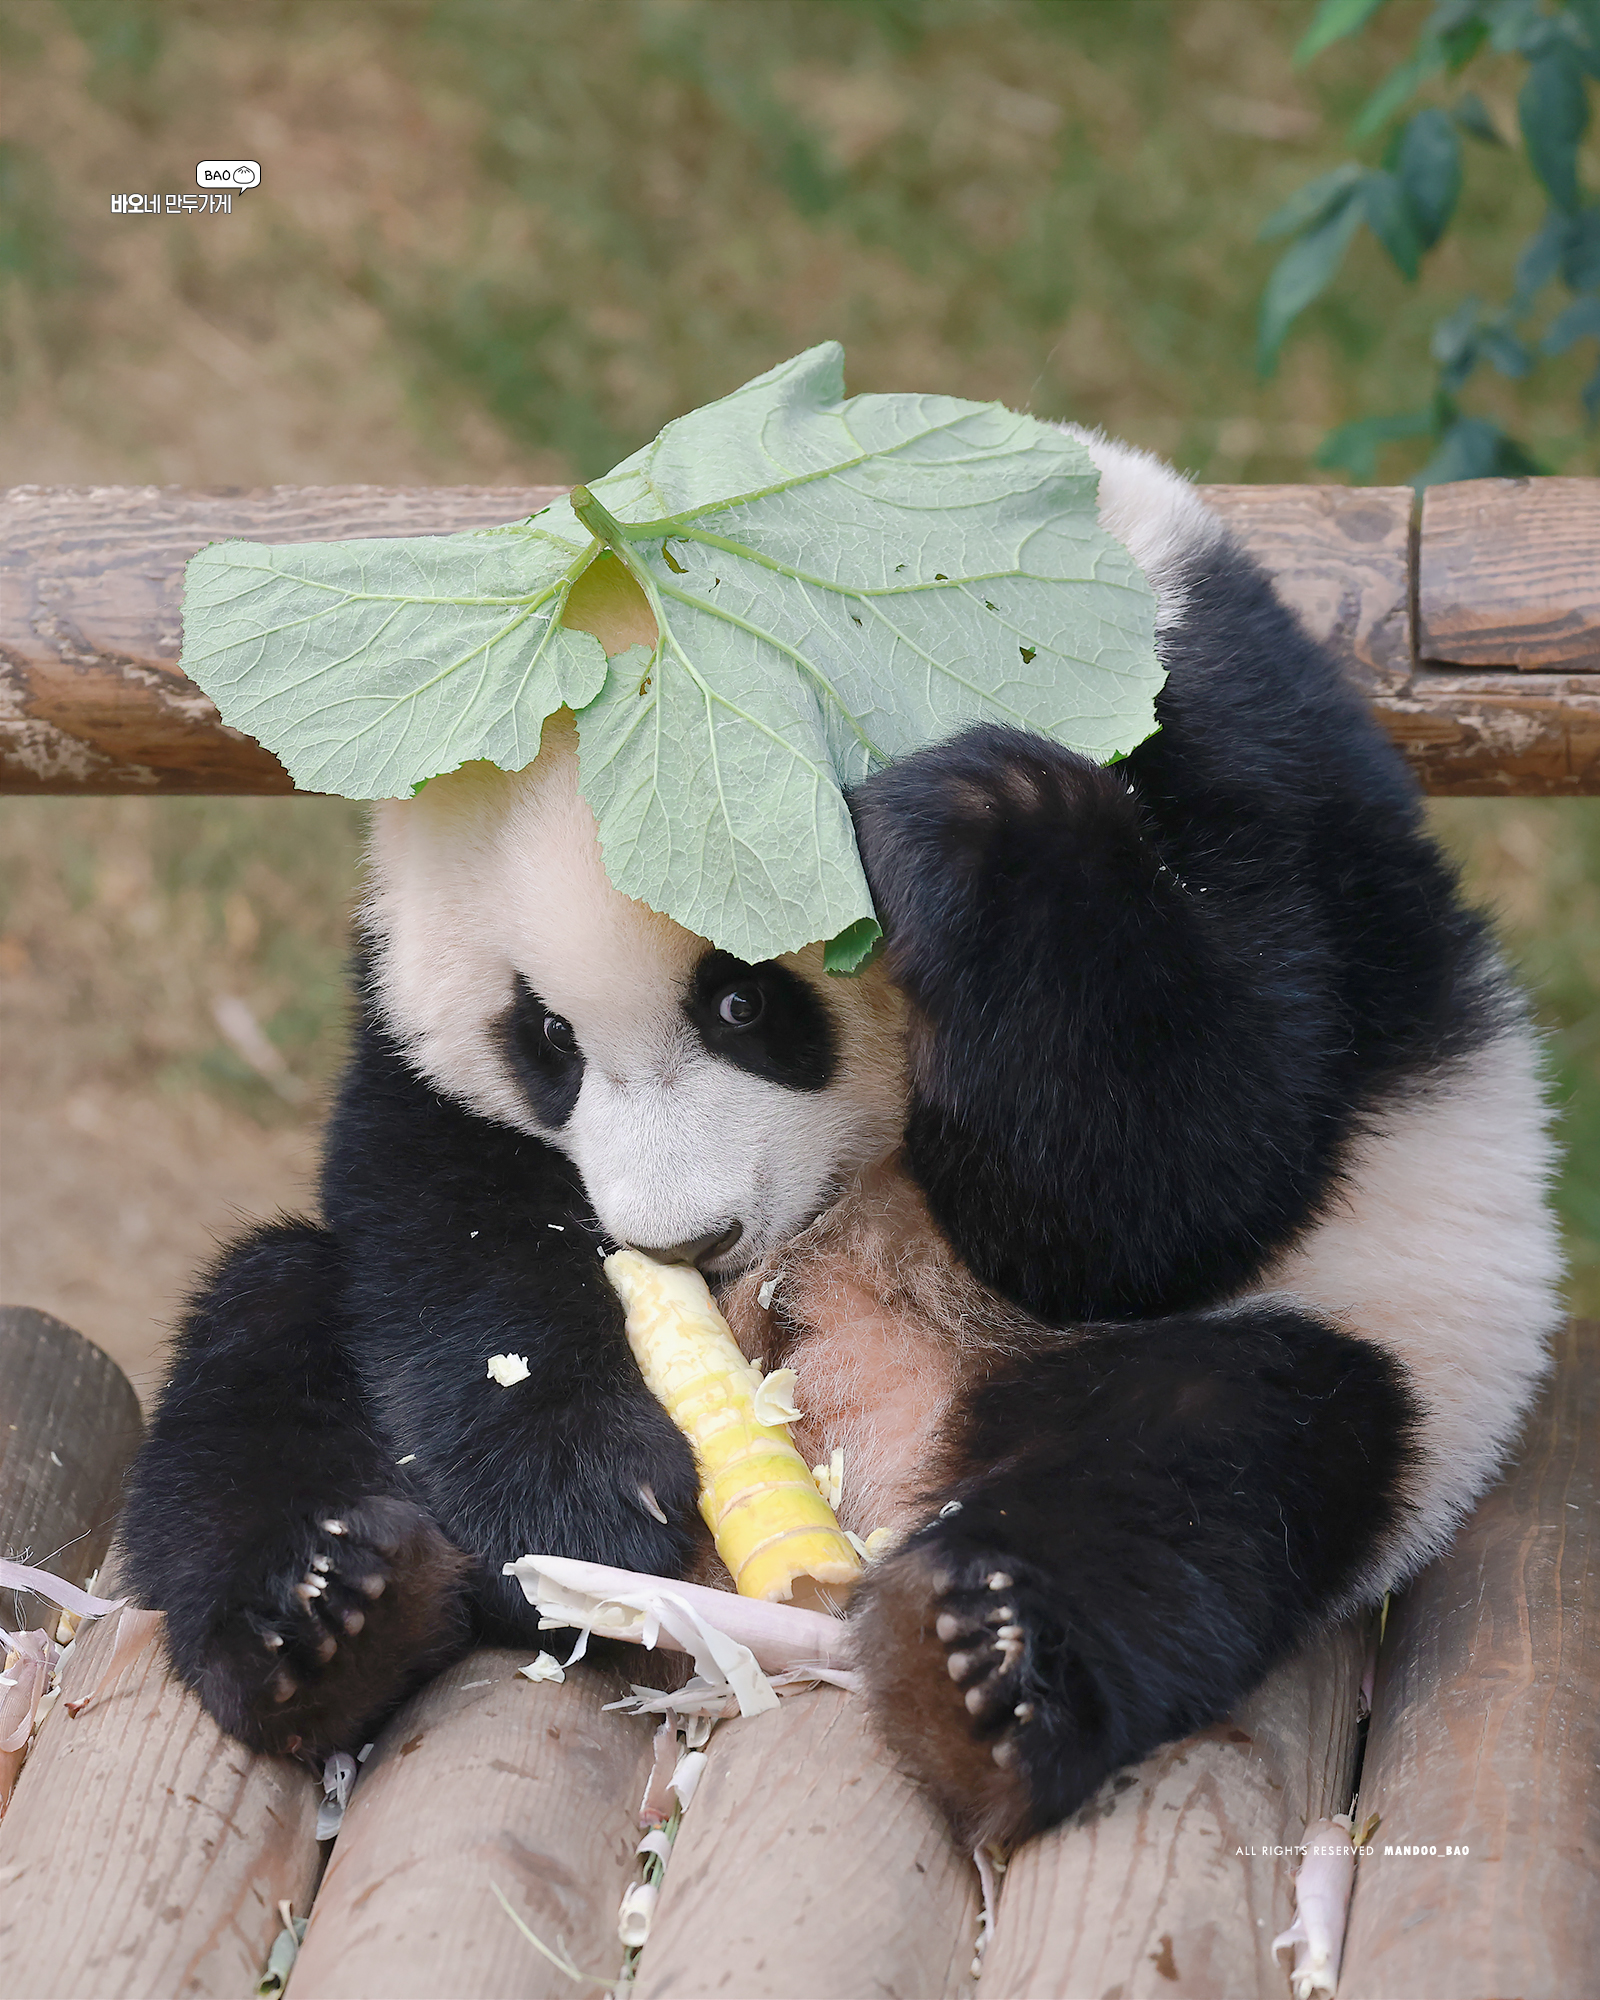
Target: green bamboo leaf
(1553, 106)
(1308, 205)
(1389, 217)
(1428, 168)
(1302, 273)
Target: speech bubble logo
(228, 174)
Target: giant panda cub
(1159, 1224)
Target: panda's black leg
(1121, 1076)
(305, 1592)
(1149, 1517)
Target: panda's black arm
(304, 1590)
(464, 1239)
(1150, 1000)
(1119, 1076)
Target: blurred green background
(499, 243)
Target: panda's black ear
(543, 1054)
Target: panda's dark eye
(742, 1005)
(558, 1033)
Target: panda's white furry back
(1181, 1180)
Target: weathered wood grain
(1486, 1735)
(91, 582)
(1341, 557)
(145, 1852)
(1508, 574)
(1489, 735)
(69, 1425)
(1167, 1882)
(484, 1780)
(809, 1868)
(91, 698)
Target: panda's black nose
(697, 1250)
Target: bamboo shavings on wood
(736, 1642)
(1321, 1908)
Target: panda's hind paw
(356, 1604)
(949, 1647)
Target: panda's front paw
(964, 833)
(336, 1625)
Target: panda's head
(712, 1107)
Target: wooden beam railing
(1472, 623)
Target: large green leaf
(367, 667)
(834, 583)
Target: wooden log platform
(145, 1854)
(809, 1865)
(1438, 619)
(1485, 1737)
(1175, 1879)
(69, 1430)
(484, 1782)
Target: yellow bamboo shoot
(773, 1529)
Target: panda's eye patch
(742, 1006)
(542, 1052)
(558, 1033)
(763, 1019)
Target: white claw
(333, 1527)
(998, 1580)
(322, 1564)
(311, 1586)
(1023, 1711)
(272, 1641)
(651, 1505)
(1008, 1632)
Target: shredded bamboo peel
(778, 1536)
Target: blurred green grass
(504, 243)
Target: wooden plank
(808, 1866)
(1498, 735)
(484, 1780)
(1508, 574)
(145, 1852)
(1486, 1734)
(69, 1425)
(1341, 557)
(1167, 1882)
(91, 699)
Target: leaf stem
(603, 525)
